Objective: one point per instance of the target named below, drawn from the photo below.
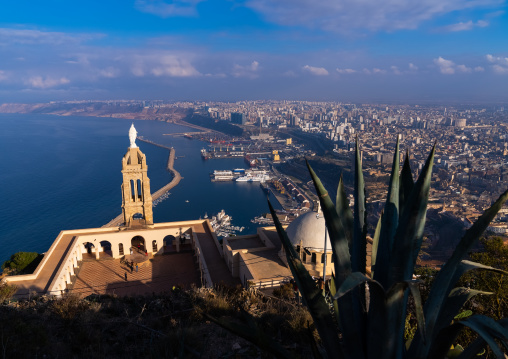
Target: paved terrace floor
(157, 275)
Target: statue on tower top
(132, 136)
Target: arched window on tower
(133, 190)
(120, 249)
(154, 246)
(313, 260)
(140, 190)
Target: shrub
(22, 262)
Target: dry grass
(166, 325)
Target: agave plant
(370, 308)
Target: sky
(405, 51)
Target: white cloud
(109, 72)
(248, 71)
(318, 71)
(32, 37)
(498, 69)
(396, 70)
(345, 71)
(378, 71)
(449, 67)
(412, 67)
(173, 66)
(366, 71)
(446, 67)
(347, 16)
(161, 64)
(497, 59)
(500, 64)
(479, 69)
(170, 8)
(465, 26)
(46, 82)
(463, 68)
(289, 73)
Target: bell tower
(136, 196)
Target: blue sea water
(60, 173)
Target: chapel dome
(309, 228)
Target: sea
(64, 172)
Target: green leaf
(314, 300)
(354, 280)
(336, 231)
(478, 346)
(489, 330)
(409, 235)
(451, 271)
(375, 244)
(344, 211)
(406, 184)
(359, 245)
(333, 290)
(389, 224)
(350, 309)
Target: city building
(238, 118)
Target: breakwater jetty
(162, 191)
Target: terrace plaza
(140, 257)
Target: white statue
(132, 136)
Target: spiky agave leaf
(488, 329)
(448, 276)
(409, 234)
(389, 224)
(475, 348)
(336, 231)
(406, 184)
(351, 312)
(344, 211)
(384, 311)
(458, 296)
(314, 300)
(359, 244)
(375, 244)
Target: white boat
(247, 178)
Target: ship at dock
(254, 176)
(240, 175)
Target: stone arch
(168, 242)
(138, 242)
(89, 247)
(106, 248)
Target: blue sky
(341, 50)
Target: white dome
(309, 228)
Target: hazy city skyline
(343, 50)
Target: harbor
(240, 175)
